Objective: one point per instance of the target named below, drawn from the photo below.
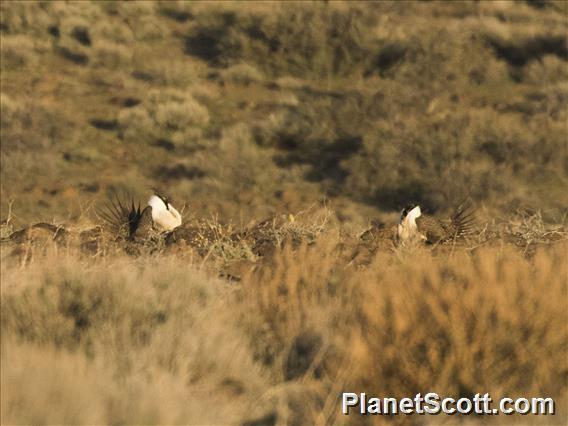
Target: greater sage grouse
(416, 226)
(127, 220)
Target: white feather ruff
(166, 218)
(412, 216)
(407, 228)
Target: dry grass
(247, 111)
(156, 337)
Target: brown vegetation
(323, 117)
(100, 330)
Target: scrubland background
(249, 109)
(244, 110)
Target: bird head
(162, 197)
(405, 211)
(165, 199)
(411, 211)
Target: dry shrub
(143, 23)
(216, 243)
(238, 144)
(176, 110)
(480, 322)
(91, 394)
(160, 332)
(432, 164)
(299, 39)
(134, 123)
(243, 74)
(455, 325)
(179, 11)
(71, 15)
(11, 112)
(18, 52)
(26, 124)
(549, 70)
(168, 114)
(527, 230)
(148, 345)
(24, 17)
(239, 165)
(112, 55)
(104, 30)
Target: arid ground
(289, 135)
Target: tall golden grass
(160, 339)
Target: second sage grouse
(127, 220)
(416, 226)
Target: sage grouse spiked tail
(460, 225)
(125, 219)
(463, 220)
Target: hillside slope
(256, 108)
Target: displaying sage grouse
(126, 219)
(416, 226)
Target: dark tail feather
(120, 219)
(463, 220)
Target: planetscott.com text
(432, 403)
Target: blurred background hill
(240, 110)
(247, 109)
